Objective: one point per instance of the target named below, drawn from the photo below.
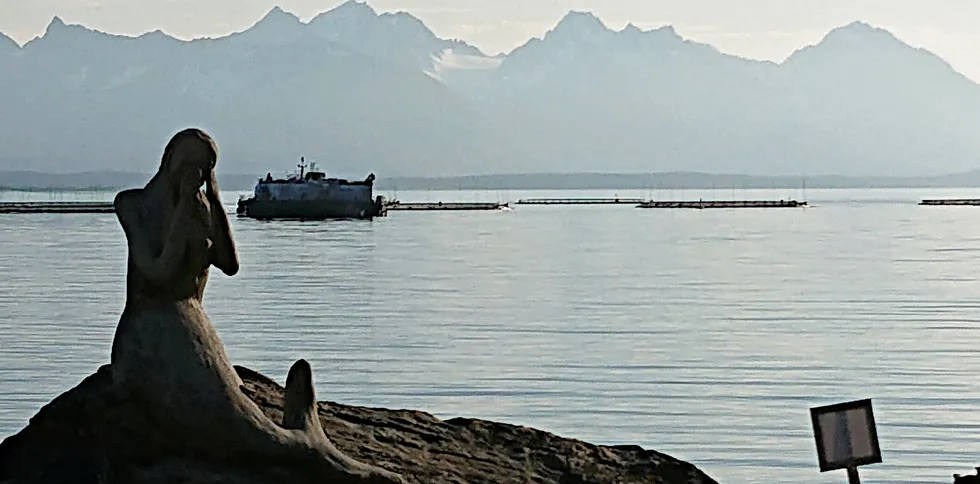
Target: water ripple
(706, 335)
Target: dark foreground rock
(91, 435)
(974, 479)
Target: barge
(311, 195)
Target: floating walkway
(580, 201)
(952, 201)
(56, 207)
(434, 206)
(702, 204)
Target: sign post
(846, 437)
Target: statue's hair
(168, 152)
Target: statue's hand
(193, 217)
(223, 253)
(194, 206)
(211, 186)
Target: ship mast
(302, 166)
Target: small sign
(846, 435)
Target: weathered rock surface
(92, 434)
(974, 479)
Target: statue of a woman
(167, 354)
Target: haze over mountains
(361, 92)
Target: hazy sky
(761, 29)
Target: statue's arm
(160, 268)
(224, 254)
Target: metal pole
(852, 476)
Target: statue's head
(189, 158)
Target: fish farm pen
(106, 207)
(427, 206)
(579, 201)
(952, 202)
(56, 207)
(703, 204)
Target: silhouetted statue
(167, 354)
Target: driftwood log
(170, 407)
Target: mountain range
(358, 92)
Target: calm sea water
(704, 334)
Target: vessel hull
(307, 209)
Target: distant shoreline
(25, 181)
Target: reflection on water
(704, 334)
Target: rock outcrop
(91, 435)
(968, 479)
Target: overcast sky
(760, 29)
